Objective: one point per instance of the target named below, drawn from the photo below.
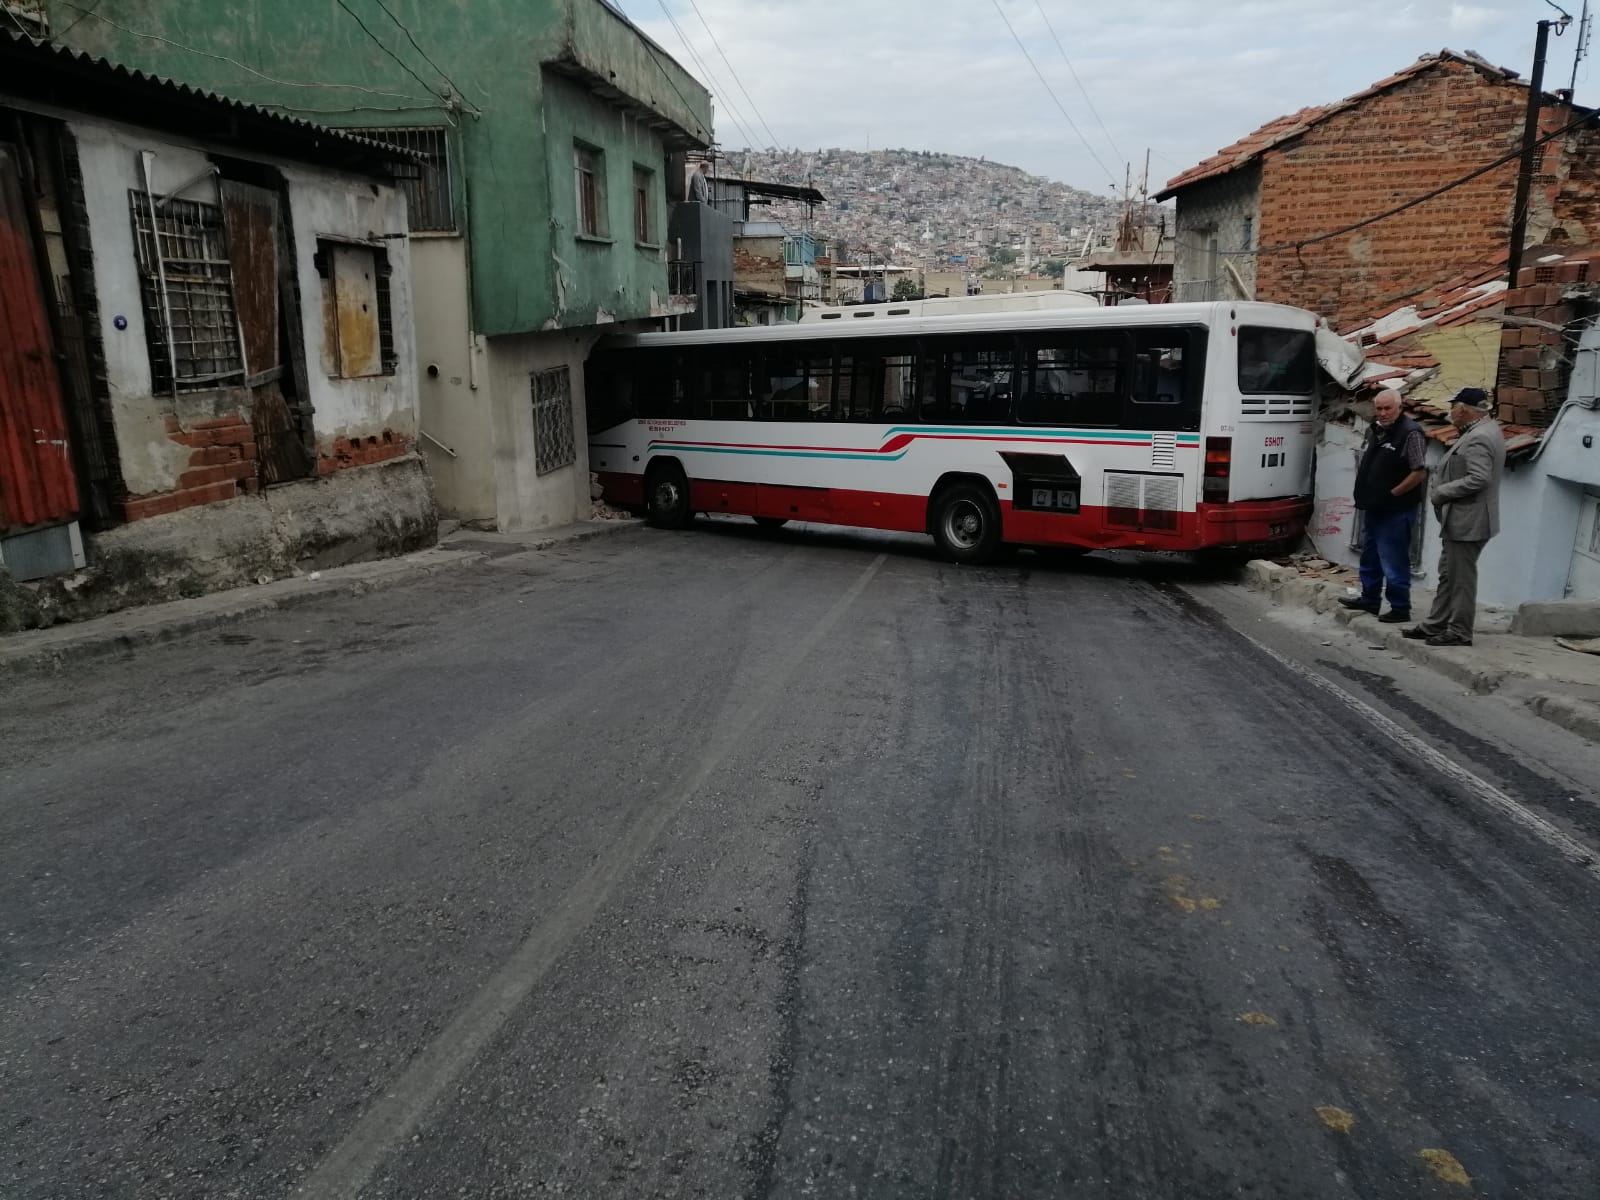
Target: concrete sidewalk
(1560, 685)
(119, 632)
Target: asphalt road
(719, 864)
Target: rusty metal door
(37, 483)
(253, 215)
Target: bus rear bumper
(1252, 522)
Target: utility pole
(1583, 47)
(1530, 135)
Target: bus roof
(1123, 316)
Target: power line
(1045, 18)
(381, 46)
(1052, 93)
(453, 84)
(78, 20)
(1399, 208)
(667, 75)
(753, 108)
(733, 112)
(432, 100)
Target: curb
(117, 633)
(1285, 585)
(46, 650)
(1571, 715)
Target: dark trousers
(1455, 604)
(1386, 557)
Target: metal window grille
(190, 318)
(429, 198)
(553, 443)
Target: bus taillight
(1219, 464)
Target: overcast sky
(1181, 77)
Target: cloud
(1185, 78)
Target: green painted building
(553, 135)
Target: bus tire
(771, 522)
(965, 521)
(666, 497)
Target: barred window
(553, 443)
(429, 199)
(190, 319)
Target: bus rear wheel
(666, 497)
(966, 524)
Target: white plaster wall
(524, 499)
(109, 155)
(321, 203)
(451, 409)
(1334, 515)
(1539, 511)
(325, 204)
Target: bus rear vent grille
(1138, 501)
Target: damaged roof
(40, 71)
(1284, 129)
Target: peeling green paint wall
(511, 131)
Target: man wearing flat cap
(1466, 500)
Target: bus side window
(899, 387)
(724, 377)
(787, 389)
(1074, 380)
(976, 382)
(856, 397)
(608, 390)
(1168, 375)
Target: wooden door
(37, 483)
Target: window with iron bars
(429, 199)
(554, 445)
(191, 322)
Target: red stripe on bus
(1245, 523)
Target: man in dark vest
(1388, 491)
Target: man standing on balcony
(700, 183)
(1388, 490)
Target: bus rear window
(1280, 362)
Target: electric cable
(1111, 140)
(431, 101)
(1046, 83)
(739, 82)
(377, 42)
(426, 58)
(1434, 194)
(711, 81)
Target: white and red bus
(1159, 427)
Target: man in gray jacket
(1466, 500)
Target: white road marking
(395, 1115)
(1565, 845)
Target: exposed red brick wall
(1427, 131)
(1535, 360)
(222, 465)
(342, 452)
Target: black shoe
(1395, 616)
(1449, 639)
(1358, 604)
(1416, 633)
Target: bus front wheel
(966, 524)
(666, 497)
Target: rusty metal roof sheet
(65, 78)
